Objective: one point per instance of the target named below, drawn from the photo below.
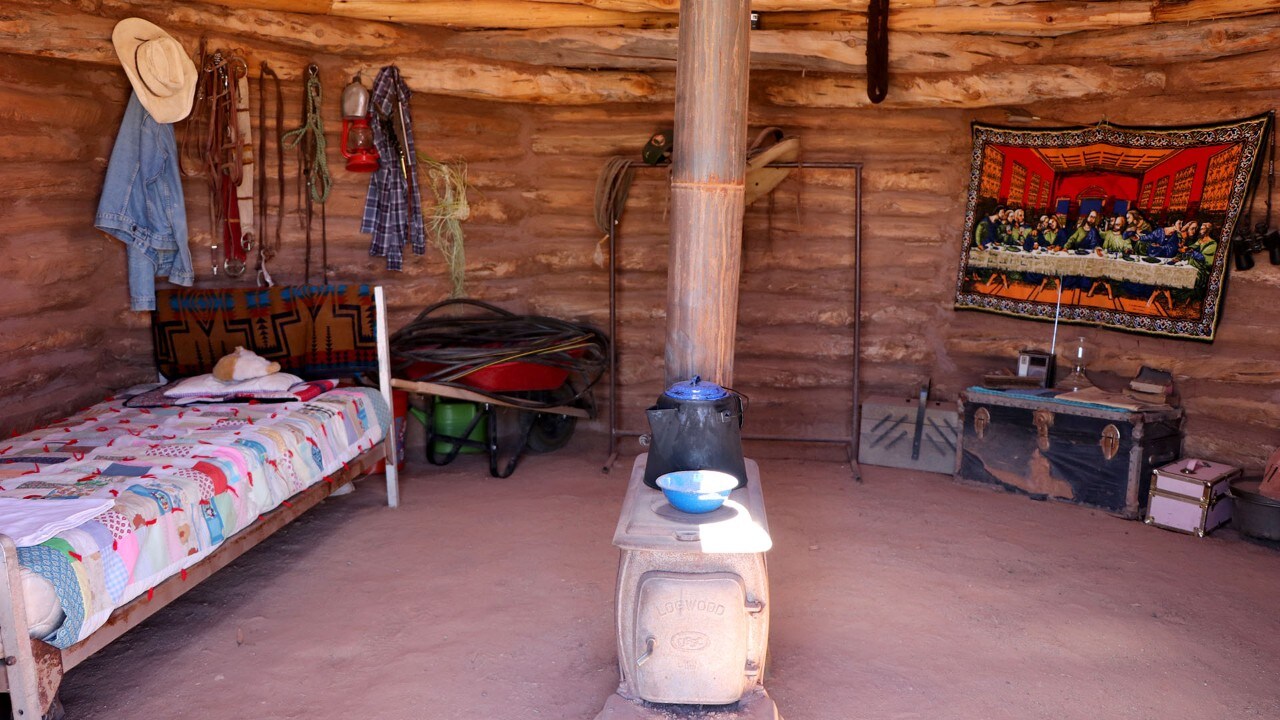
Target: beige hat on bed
(163, 77)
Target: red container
(511, 376)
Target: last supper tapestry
(1120, 227)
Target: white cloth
(31, 522)
(208, 385)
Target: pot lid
(696, 389)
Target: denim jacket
(142, 205)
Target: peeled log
(1183, 10)
(53, 31)
(760, 5)
(497, 14)
(1015, 86)
(313, 7)
(1024, 18)
(799, 50)
(513, 83)
(38, 29)
(1165, 43)
(333, 36)
(1246, 72)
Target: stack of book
(1152, 386)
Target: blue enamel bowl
(697, 491)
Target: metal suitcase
(1191, 496)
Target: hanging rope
(319, 183)
(612, 188)
(453, 339)
(313, 167)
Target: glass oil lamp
(357, 136)
(1079, 354)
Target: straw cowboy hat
(163, 77)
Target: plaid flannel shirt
(392, 212)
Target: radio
(1036, 364)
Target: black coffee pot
(696, 425)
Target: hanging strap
(1271, 164)
(877, 50)
(1246, 228)
(212, 145)
(268, 247)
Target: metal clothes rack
(851, 442)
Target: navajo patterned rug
(314, 332)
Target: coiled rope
(612, 188)
(314, 168)
(445, 348)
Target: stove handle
(649, 644)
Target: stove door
(691, 638)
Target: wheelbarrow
(531, 376)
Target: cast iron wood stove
(692, 605)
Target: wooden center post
(707, 186)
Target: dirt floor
(906, 596)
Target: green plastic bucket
(451, 420)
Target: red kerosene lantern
(357, 136)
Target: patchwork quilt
(183, 480)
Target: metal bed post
(851, 442)
(855, 436)
(384, 385)
(613, 339)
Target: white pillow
(44, 609)
(208, 385)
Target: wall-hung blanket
(181, 481)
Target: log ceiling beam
(583, 66)
(47, 28)
(1234, 74)
(1185, 10)
(307, 33)
(498, 14)
(1175, 42)
(1013, 86)
(1031, 17)
(506, 82)
(798, 50)
(1047, 18)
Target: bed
(122, 507)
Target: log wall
(537, 112)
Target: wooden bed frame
(32, 669)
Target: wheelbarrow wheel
(550, 432)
